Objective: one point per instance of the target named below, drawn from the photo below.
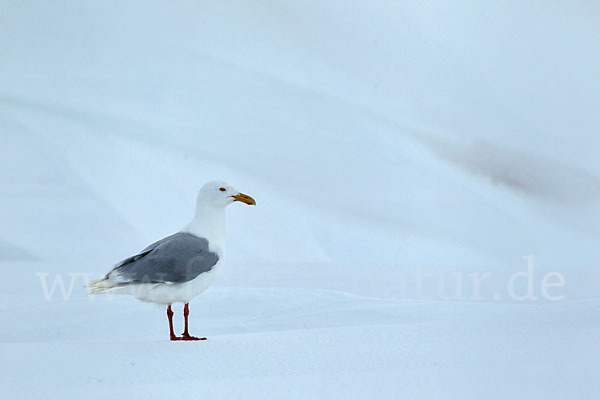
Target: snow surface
(394, 149)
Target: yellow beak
(244, 198)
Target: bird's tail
(100, 286)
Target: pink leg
(186, 335)
(170, 316)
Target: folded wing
(175, 259)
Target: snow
(406, 160)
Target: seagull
(181, 266)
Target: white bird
(181, 266)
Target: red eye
(222, 189)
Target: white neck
(209, 223)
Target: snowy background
(398, 152)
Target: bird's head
(221, 194)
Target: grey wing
(175, 259)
